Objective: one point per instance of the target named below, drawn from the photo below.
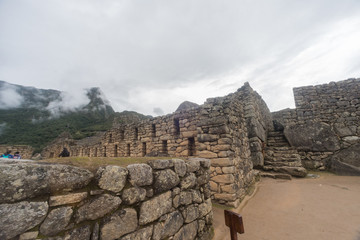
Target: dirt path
(324, 208)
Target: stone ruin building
(238, 134)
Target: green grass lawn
(93, 163)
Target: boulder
(346, 161)
(80, 233)
(133, 195)
(142, 234)
(27, 180)
(165, 180)
(140, 174)
(17, 218)
(112, 178)
(118, 224)
(168, 225)
(97, 207)
(312, 136)
(188, 232)
(56, 221)
(155, 207)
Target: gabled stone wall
(326, 122)
(159, 200)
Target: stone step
(283, 149)
(283, 164)
(293, 171)
(275, 175)
(275, 134)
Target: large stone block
(155, 207)
(17, 218)
(161, 163)
(168, 225)
(346, 161)
(207, 154)
(133, 195)
(97, 207)
(142, 234)
(26, 180)
(188, 181)
(67, 199)
(312, 136)
(118, 224)
(188, 232)
(165, 180)
(56, 221)
(140, 174)
(112, 178)
(222, 162)
(225, 178)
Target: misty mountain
(35, 117)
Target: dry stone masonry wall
(218, 130)
(159, 200)
(325, 124)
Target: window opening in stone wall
(95, 153)
(143, 149)
(128, 149)
(51, 155)
(136, 133)
(110, 138)
(191, 146)
(104, 151)
(116, 151)
(153, 130)
(177, 126)
(122, 135)
(164, 146)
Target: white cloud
(2, 127)
(9, 97)
(68, 102)
(160, 53)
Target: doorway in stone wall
(128, 150)
(164, 147)
(95, 152)
(143, 149)
(104, 151)
(191, 146)
(116, 151)
(51, 155)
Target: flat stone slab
(21, 181)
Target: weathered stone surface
(188, 232)
(140, 174)
(314, 136)
(346, 161)
(118, 224)
(225, 178)
(29, 235)
(188, 181)
(179, 167)
(222, 162)
(205, 208)
(185, 198)
(193, 165)
(168, 226)
(67, 199)
(133, 195)
(190, 213)
(186, 105)
(154, 208)
(225, 196)
(142, 234)
(26, 180)
(293, 171)
(97, 207)
(161, 163)
(112, 178)
(17, 218)
(196, 196)
(207, 154)
(56, 221)
(165, 180)
(96, 232)
(80, 233)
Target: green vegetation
(93, 163)
(21, 128)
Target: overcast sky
(149, 56)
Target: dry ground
(325, 208)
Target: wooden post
(235, 223)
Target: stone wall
(159, 200)
(326, 122)
(218, 130)
(24, 150)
